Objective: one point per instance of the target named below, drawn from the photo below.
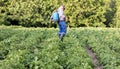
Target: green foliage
(39, 48)
(86, 13)
(80, 13)
(116, 21)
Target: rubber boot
(61, 37)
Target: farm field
(40, 48)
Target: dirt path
(94, 59)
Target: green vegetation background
(80, 13)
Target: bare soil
(93, 57)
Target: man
(61, 22)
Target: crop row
(40, 48)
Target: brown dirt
(93, 58)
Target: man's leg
(62, 36)
(63, 31)
(60, 30)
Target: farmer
(61, 22)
